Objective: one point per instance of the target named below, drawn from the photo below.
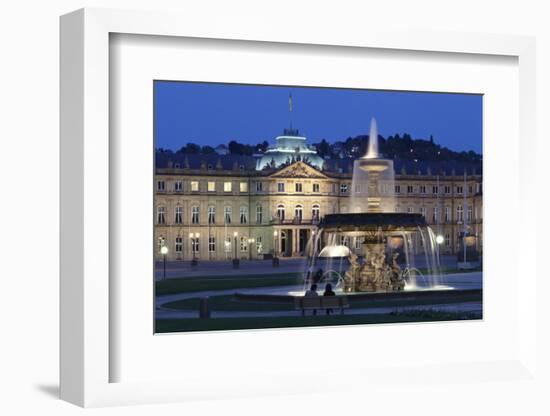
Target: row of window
(228, 186)
(298, 187)
(195, 239)
(298, 214)
(422, 189)
(209, 166)
(446, 213)
(228, 213)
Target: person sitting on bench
(329, 292)
(312, 293)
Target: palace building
(218, 206)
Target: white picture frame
(86, 355)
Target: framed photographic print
(243, 215)
(352, 227)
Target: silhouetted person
(329, 292)
(312, 293)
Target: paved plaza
(182, 269)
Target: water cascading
(384, 246)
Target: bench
(321, 302)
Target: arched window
(459, 213)
(315, 212)
(211, 215)
(244, 215)
(281, 212)
(195, 215)
(179, 215)
(227, 215)
(160, 215)
(298, 211)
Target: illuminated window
(194, 186)
(243, 186)
(244, 244)
(259, 246)
(179, 244)
(227, 186)
(211, 186)
(227, 245)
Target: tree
(190, 149)
(207, 150)
(323, 148)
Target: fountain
(373, 248)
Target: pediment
(299, 170)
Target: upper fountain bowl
(374, 165)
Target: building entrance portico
(293, 241)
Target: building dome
(289, 147)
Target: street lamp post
(235, 259)
(164, 252)
(275, 261)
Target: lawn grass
(183, 325)
(453, 270)
(229, 303)
(202, 283)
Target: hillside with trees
(395, 147)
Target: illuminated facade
(216, 207)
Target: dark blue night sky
(212, 114)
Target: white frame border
(84, 181)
